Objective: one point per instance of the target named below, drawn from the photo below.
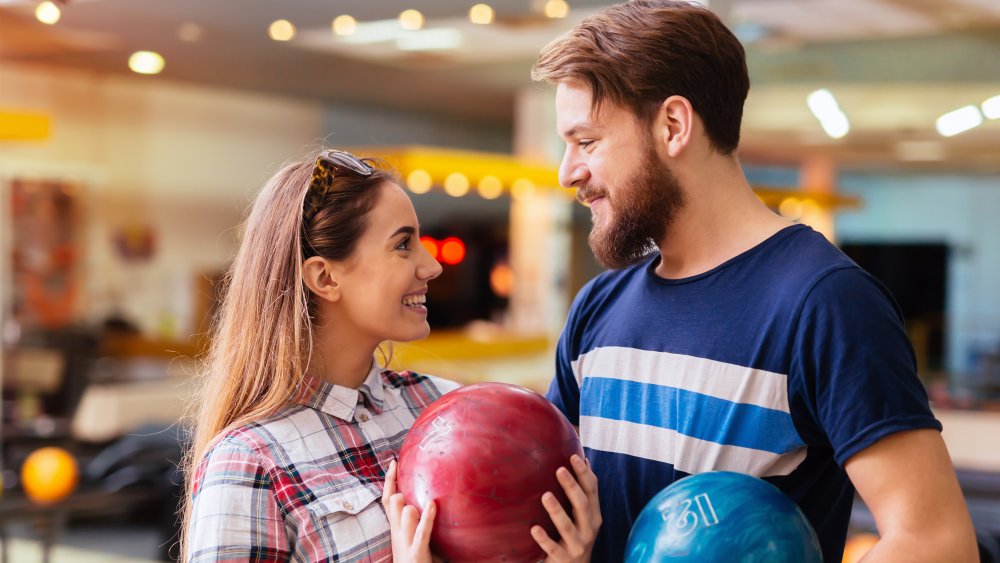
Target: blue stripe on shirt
(718, 420)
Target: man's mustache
(587, 193)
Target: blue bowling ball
(722, 516)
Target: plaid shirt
(306, 483)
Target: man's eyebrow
(579, 127)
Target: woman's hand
(577, 535)
(410, 530)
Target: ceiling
(894, 65)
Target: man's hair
(639, 53)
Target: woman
(298, 425)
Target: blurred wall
(183, 162)
(961, 211)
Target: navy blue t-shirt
(780, 363)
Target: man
(725, 337)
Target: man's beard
(637, 219)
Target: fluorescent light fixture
(991, 108)
(374, 32)
(430, 40)
(380, 31)
(962, 119)
(833, 120)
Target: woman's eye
(404, 244)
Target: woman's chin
(412, 335)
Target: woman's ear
(320, 276)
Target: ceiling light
(344, 25)
(481, 14)
(47, 13)
(824, 106)
(962, 119)
(991, 108)
(419, 181)
(556, 9)
(490, 187)
(190, 33)
(281, 30)
(146, 62)
(411, 20)
(456, 184)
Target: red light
(431, 245)
(452, 251)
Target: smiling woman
(330, 266)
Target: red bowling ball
(485, 454)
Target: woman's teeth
(414, 300)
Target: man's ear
(320, 276)
(673, 126)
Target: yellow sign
(24, 126)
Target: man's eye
(585, 144)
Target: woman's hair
(639, 53)
(262, 334)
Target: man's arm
(908, 482)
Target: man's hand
(577, 535)
(909, 484)
(410, 530)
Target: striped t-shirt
(781, 363)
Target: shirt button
(363, 417)
(348, 506)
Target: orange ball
(49, 475)
(857, 546)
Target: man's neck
(721, 219)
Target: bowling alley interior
(134, 135)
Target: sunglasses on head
(328, 164)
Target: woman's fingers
(409, 520)
(426, 526)
(389, 488)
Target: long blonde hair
(262, 334)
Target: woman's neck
(337, 360)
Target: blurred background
(134, 134)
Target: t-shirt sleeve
(854, 366)
(564, 391)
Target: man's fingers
(578, 499)
(548, 545)
(564, 525)
(584, 475)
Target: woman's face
(383, 285)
